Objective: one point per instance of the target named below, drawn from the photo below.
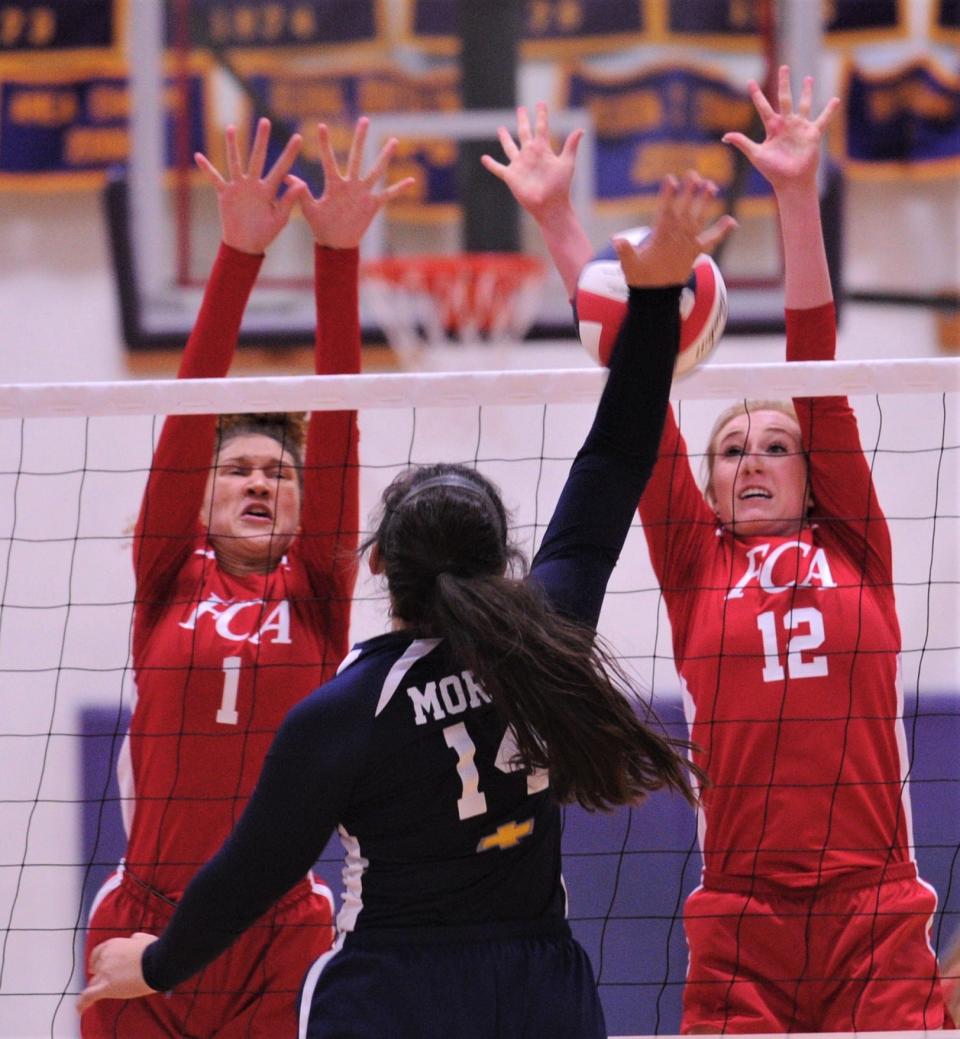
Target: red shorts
(251, 990)
(852, 955)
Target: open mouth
(259, 513)
(755, 493)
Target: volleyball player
(779, 586)
(441, 750)
(244, 577)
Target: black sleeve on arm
(293, 810)
(597, 505)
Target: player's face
(252, 504)
(759, 482)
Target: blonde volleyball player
(443, 748)
(779, 585)
(243, 591)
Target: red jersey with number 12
(788, 655)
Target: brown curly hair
(288, 428)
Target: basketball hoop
(425, 301)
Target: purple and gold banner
(300, 100)
(724, 24)
(662, 120)
(257, 24)
(864, 21)
(64, 130)
(945, 21)
(905, 122)
(551, 28)
(29, 27)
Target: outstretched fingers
(355, 155)
(823, 119)
(210, 171)
(381, 162)
(286, 159)
(784, 94)
(760, 102)
(712, 236)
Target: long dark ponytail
(442, 545)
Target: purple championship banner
(29, 27)
(905, 122)
(278, 23)
(662, 120)
(551, 28)
(338, 98)
(945, 22)
(64, 129)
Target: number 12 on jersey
(807, 623)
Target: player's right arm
(251, 215)
(331, 507)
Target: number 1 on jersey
(227, 714)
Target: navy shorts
(498, 981)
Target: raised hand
(115, 971)
(681, 232)
(790, 153)
(538, 177)
(342, 214)
(252, 212)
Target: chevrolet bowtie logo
(507, 836)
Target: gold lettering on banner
(261, 23)
(105, 103)
(379, 95)
(554, 16)
(44, 108)
(742, 15)
(36, 27)
(716, 112)
(303, 99)
(916, 98)
(653, 161)
(629, 111)
(96, 144)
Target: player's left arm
(789, 157)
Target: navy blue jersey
(402, 751)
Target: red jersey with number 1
(788, 655)
(220, 659)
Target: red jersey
(220, 659)
(788, 654)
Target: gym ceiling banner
(551, 29)
(901, 123)
(64, 128)
(661, 120)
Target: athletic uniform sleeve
(591, 520)
(845, 501)
(169, 513)
(331, 509)
(675, 517)
(303, 788)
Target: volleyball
(601, 303)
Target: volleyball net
(73, 464)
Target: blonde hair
(743, 407)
